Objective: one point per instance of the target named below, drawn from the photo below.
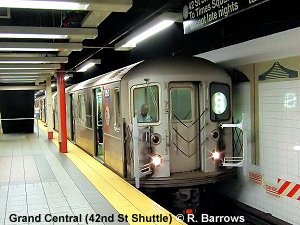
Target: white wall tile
(279, 127)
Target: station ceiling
(92, 32)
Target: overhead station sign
(201, 13)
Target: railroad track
(252, 216)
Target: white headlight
(216, 155)
(156, 160)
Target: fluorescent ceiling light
(18, 77)
(66, 78)
(158, 24)
(148, 33)
(34, 36)
(17, 80)
(39, 47)
(29, 66)
(20, 72)
(88, 64)
(29, 49)
(74, 34)
(86, 67)
(24, 75)
(57, 5)
(32, 60)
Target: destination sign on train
(201, 13)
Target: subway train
(40, 104)
(178, 105)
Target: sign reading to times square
(201, 13)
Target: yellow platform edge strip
(125, 198)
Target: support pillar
(49, 108)
(62, 111)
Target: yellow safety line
(125, 198)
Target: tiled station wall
(273, 186)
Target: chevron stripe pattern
(288, 189)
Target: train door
(71, 117)
(99, 125)
(73, 130)
(55, 106)
(44, 110)
(184, 126)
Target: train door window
(81, 108)
(219, 102)
(88, 110)
(181, 99)
(146, 104)
(99, 120)
(117, 113)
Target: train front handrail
(136, 158)
(237, 161)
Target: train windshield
(181, 98)
(146, 104)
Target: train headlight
(156, 160)
(216, 155)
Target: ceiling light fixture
(17, 80)
(74, 34)
(39, 46)
(158, 24)
(56, 5)
(20, 72)
(32, 60)
(29, 66)
(18, 77)
(88, 64)
(153, 30)
(34, 36)
(29, 49)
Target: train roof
(158, 67)
(111, 76)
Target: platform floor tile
(123, 198)
(36, 179)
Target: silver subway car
(178, 103)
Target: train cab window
(146, 104)
(81, 108)
(117, 113)
(219, 102)
(181, 101)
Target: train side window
(181, 100)
(146, 104)
(81, 101)
(117, 113)
(219, 102)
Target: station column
(49, 108)
(62, 111)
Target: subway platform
(39, 185)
